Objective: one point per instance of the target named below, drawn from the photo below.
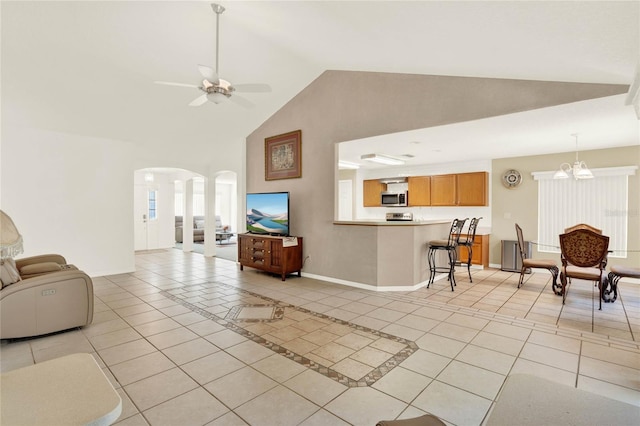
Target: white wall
(71, 195)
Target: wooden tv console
(270, 254)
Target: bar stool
(614, 276)
(450, 245)
(468, 242)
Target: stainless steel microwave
(394, 199)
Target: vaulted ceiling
(88, 67)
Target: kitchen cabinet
(443, 190)
(479, 251)
(471, 189)
(269, 254)
(455, 189)
(462, 189)
(372, 189)
(419, 188)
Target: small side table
(223, 236)
(71, 390)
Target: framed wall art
(283, 156)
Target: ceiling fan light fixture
(215, 89)
(382, 159)
(216, 97)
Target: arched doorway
(159, 196)
(154, 206)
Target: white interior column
(187, 219)
(210, 216)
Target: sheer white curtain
(198, 198)
(601, 202)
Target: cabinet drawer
(257, 244)
(257, 254)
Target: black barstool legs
(450, 245)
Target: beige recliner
(50, 296)
(39, 294)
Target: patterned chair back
(584, 248)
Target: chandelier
(579, 169)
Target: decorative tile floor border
(228, 322)
(277, 313)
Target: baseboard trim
(370, 286)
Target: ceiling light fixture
(348, 165)
(382, 159)
(579, 169)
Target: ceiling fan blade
(243, 102)
(252, 87)
(169, 83)
(209, 74)
(198, 101)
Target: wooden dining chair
(583, 256)
(610, 292)
(548, 264)
(582, 226)
(585, 226)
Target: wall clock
(511, 179)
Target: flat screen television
(268, 213)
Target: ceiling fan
(215, 89)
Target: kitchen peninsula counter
(382, 222)
(387, 255)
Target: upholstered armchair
(40, 294)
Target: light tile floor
(191, 340)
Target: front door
(145, 217)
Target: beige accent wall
(520, 205)
(345, 105)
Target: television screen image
(268, 213)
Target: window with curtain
(601, 202)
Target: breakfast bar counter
(378, 222)
(387, 255)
